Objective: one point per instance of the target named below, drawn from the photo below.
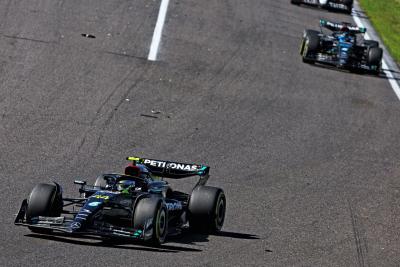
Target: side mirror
(80, 182)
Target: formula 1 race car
(137, 205)
(342, 5)
(342, 48)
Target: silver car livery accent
(174, 206)
(75, 225)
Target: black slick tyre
(374, 59)
(207, 206)
(375, 56)
(296, 2)
(153, 209)
(44, 200)
(370, 43)
(349, 5)
(309, 45)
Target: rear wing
(334, 26)
(170, 169)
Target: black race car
(341, 5)
(138, 204)
(342, 48)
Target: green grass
(385, 16)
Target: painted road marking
(155, 42)
(389, 75)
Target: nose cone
(91, 207)
(75, 226)
(86, 212)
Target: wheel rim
(161, 223)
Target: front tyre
(207, 206)
(151, 213)
(309, 45)
(44, 200)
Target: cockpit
(123, 183)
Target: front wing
(335, 63)
(64, 225)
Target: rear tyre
(309, 45)
(349, 4)
(375, 56)
(370, 43)
(375, 59)
(296, 2)
(44, 200)
(207, 208)
(155, 210)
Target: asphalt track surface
(307, 156)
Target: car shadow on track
(188, 237)
(112, 243)
(381, 75)
(395, 73)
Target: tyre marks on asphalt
(28, 39)
(104, 123)
(111, 114)
(106, 111)
(223, 68)
(108, 107)
(359, 238)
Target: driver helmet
(344, 35)
(125, 186)
(345, 28)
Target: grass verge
(385, 16)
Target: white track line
(155, 42)
(389, 75)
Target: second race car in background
(341, 48)
(341, 5)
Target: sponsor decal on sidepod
(174, 206)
